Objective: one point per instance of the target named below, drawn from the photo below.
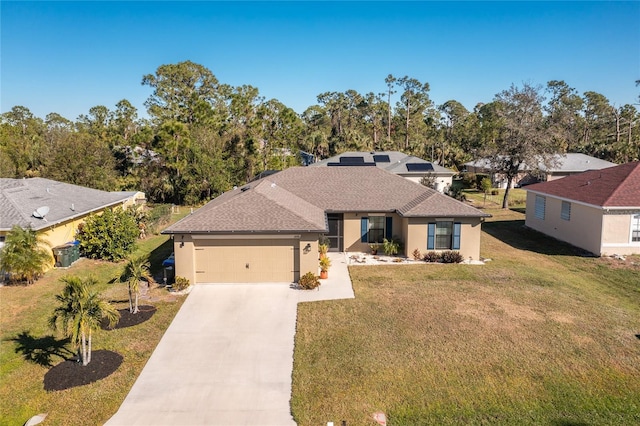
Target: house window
(565, 212)
(443, 235)
(540, 207)
(374, 229)
(635, 228)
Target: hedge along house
(54, 209)
(268, 230)
(598, 211)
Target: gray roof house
(399, 163)
(565, 165)
(53, 208)
(268, 230)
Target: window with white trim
(443, 235)
(540, 207)
(565, 212)
(376, 229)
(635, 228)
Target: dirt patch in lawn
(71, 373)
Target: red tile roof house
(268, 230)
(598, 211)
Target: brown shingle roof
(296, 199)
(617, 186)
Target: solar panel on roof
(381, 158)
(351, 160)
(419, 167)
(351, 164)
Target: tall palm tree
(136, 270)
(25, 254)
(80, 313)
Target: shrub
(309, 281)
(468, 180)
(451, 256)
(390, 247)
(432, 257)
(180, 284)
(417, 255)
(109, 236)
(457, 194)
(24, 255)
(494, 192)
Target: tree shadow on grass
(70, 373)
(127, 319)
(517, 235)
(40, 350)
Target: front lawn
(539, 335)
(29, 349)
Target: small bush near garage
(309, 281)
(109, 236)
(180, 284)
(432, 257)
(451, 256)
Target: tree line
(203, 137)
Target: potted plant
(323, 246)
(325, 263)
(374, 248)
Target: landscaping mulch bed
(127, 319)
(70, 373)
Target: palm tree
(24, 255)
(136, 270)
(80, 312)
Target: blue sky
(66, 57)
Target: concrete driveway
(227, 357)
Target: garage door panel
(219, 261)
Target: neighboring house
(52, 208)
(407, 166)
(598, 210)
(565, 165)
(268, 230)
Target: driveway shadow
(40, 350)
(517, 235)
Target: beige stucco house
(54, 209)
(598, 211)
(268, 230)
(396, 162)
(562, 165)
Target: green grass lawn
(28, 348)
(539, 335)
(517, 198)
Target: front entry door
(335, 231)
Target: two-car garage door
(246, 261)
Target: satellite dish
(41, 212)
